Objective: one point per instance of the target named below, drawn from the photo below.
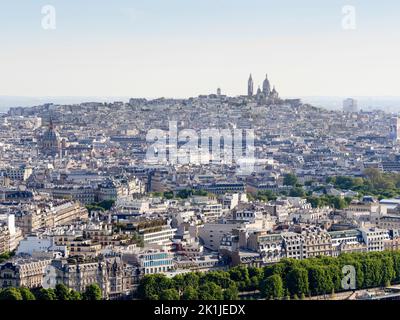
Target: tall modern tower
(395, 129)
(250, 86)
(266, 86)
(350, 105)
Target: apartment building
(51, 215)
(347, 241)
(375, 238)
(23, 272)
(316, 243)
(4, 239)
(163, 236)
(270, 246)
(293, 245)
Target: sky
(183, 48)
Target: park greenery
(287, 279)
(100, 206)
(290, 179)
(372, 183)
(180, 194)
(61, 292)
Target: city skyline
(211, 151)
(178, 49)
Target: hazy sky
(181, 48)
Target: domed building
(266, 87)
(264, 95)
(274, 95)
(50, 142)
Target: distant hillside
(6, 102)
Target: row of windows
(156, 256)
(155, 270)
(157, 263)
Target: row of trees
(374, 182)
(328, 200)
(180, 194)
(317, 202)
(215, 285)
(61, 292)
(323, 275)
(289, 278)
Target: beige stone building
(317, 243)
(114, 277)
(23, 273)
(61, 213)
(4, 239)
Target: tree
(220, 278)
(396, 264)
(320, 281)
(290, 179)
(179, 282)
(344, 182)
(75, 295)
(314, 201)
(297, 192)
(156, 194)
(137, 239)
(26, 294)
(388, 272)
(231, 293)
(189, 293)
(92, 292)
(210, 291)
(272, 287)
(297, 281)
(47, 294)
(106, 204)
(202, 193)
(152, 285)
(266, 195)
(192, 279)
(168, 195)
(339, 203)
(62, 292)
(241, 276)
(10, 294)
(184, 194)
(5, 256)
(169, 294)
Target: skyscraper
(350, 105)
(250, 86)
(395, 129)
